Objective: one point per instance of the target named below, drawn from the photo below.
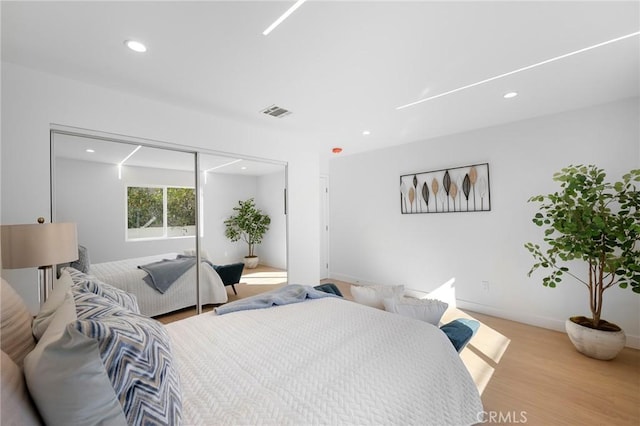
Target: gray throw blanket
(288, 294)
(165, 272)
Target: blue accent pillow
(460, 331)
(83, 263)
(330, 288)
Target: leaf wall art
(458, 189)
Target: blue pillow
(330, 288)
(460, 331)
(83, 263)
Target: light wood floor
(530, 375)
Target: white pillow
(374, 295)
(17, 407)
(428, 310)
(61, 287)
(204, 255)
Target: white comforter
(126, 275)
(323, 361)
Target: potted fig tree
(248, 224)
(598, 223)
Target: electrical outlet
(485, 285)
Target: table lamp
(40, 245)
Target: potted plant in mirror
(248, 224)
(596, 222)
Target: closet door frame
(197, 153)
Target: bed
(126, 275)
(324, 361)
(320, 361)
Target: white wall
(372, 242)
(222, 193)
(32, 101)
(91, 195)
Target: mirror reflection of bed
(162, 283)
(135, 204)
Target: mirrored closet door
(225, 183)
(142, 212)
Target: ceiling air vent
(276, 111)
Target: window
(160, 212)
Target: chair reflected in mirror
(230, 274)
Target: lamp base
(45, 281)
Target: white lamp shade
(35, 245)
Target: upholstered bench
(230, 274)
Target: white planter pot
(594, 343)
(251, 262)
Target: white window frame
(165, 227)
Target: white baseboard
(350, 279)
(535, 320)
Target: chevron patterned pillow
(93, 306)
(100, 344)
(137, 357)
(94, 285)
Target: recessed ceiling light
(136, 46)
(566, 55)
(243, 168)
(366, 133)
(510, 95)
(89, 150)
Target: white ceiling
(341, 67)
